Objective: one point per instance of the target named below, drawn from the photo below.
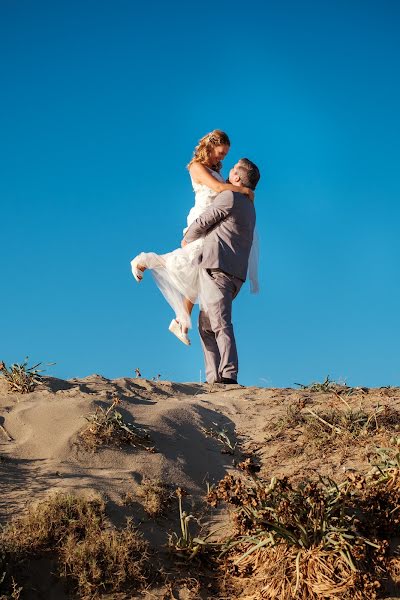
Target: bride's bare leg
(188, 305)
(183, 306)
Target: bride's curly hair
(202, 152)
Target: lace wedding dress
(177, 273)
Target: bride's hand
(248, 192)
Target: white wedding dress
(178, 274)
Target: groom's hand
(183, 243)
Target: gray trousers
(216, 331)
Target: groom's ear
(236, 178)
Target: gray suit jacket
(228, 226)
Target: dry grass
(155, 497)
(20, 377)
(287, 573)
(107, 427)
(345, 424)
(92, 554)
(292, 419)
(348, 425)
(106, 560)
(45, 524)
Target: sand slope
(44, 425)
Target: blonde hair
(202, 152)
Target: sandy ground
(40, 450)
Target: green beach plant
(185, 542)
(328, 385)
(221, 435)
(20, 377)
(107, 427)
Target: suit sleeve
(218, 211)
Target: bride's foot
(137, 270)
(177, 329)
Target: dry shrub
(378, 494)
(315, 540)
(394, 569)
(105, 560)
(89, 551)
(107, 427)
(46, 524)
(156, 497)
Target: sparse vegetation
(386, 459)
(292, 419)
(184, 542)
(326, 386)
(155, 496)
(107, 427)
(351, 424)
(348, 424)
(91, 553)
(221, 435)
(20, 377)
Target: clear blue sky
(101, 106)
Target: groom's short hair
(248, 172)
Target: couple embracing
(217, 252)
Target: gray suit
(228, 227)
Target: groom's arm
(216, 212)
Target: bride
(177, 273)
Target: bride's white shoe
(176, 328)
(136, 272)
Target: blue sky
(101, 106)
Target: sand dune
(43, 453)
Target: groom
(228, 226)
